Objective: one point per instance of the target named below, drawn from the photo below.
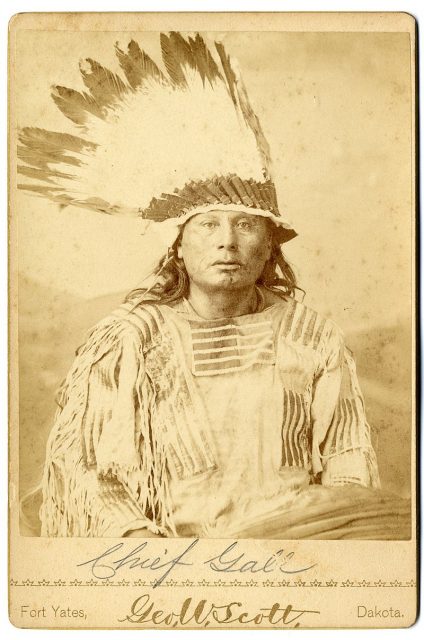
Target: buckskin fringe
(79, 497)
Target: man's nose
(227, 236)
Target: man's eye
(244, 224)
(209, 224)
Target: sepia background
(336, 109)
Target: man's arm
(94, 471)
(342, 440)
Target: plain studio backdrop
(336, 109)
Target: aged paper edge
(210, 21)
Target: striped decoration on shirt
(304, 326)
(295, 431)
(346, 431)
(223, 346)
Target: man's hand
(142, 533)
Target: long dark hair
(172, 280)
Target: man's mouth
(229, 265)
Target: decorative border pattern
(214, 583)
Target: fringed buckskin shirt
(193, 427)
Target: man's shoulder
(141, 322)
(300, 323)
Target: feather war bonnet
(185, 138)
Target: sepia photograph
(214, 401)
(212, 270)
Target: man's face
(225, 249)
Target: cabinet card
(212, 320)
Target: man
(201, 416)
(211, 403)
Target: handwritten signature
(202, 613)
(231, 560)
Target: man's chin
(228, 282)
